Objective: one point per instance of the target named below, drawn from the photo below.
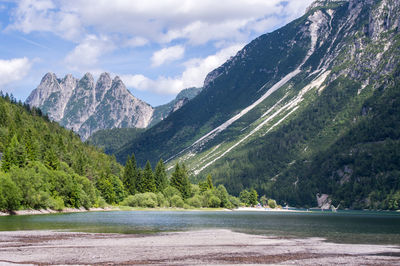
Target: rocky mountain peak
(104, 78)
(87, 81)
(323, 3)
(86, 106)
(49, 78)
(68, 78)
(118, 80)
(69, 82)
(103, 84)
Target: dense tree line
(175, 192)
(154, 189)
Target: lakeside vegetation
(43, 165)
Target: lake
(341, 227)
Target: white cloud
(136, 42)
(153, 20)
(13, 70)
(87, 53)
(193, 76)
(168, 54)
(44, 15)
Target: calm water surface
(343, 227)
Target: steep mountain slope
(86, 107)
(295, 112)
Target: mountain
(110, 140)
(162, 111)
(86, 106)
(305, 114)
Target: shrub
(161, 201)
(100, 202)
(10, 194)
(222, 195)
(214, 202)
(195, 201)
(55, 203)
(148, 200)
(206, 195)
(234, 202)
(169, 192)
(129, 201)
(272, 203)
(176, 201)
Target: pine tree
(206, 184)
(14, 155)
(51, 160)
(253, 199)
(7, 160)
(209, 182)
(180, 180)
(160, 176)
(130, 175)
(30, 146)
(148, 179)
(139, 184)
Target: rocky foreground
(183, 248)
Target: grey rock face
(86, 106)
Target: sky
(157, 47)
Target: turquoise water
(341, 227)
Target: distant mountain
(163, 111)
(86, 106)
(309, 111)
(110, 140)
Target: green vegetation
(340, 138)
(110, 140)
(43, 165)
(46, 166)
(181, 194)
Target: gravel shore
(183, 248)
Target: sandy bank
(66, 210)
(113, 208)
(183, 248)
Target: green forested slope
(110, 140)
(44, 165)
(337, 146)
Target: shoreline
(50, 211)
(213, 246)
(106, 209)
(127, 208)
